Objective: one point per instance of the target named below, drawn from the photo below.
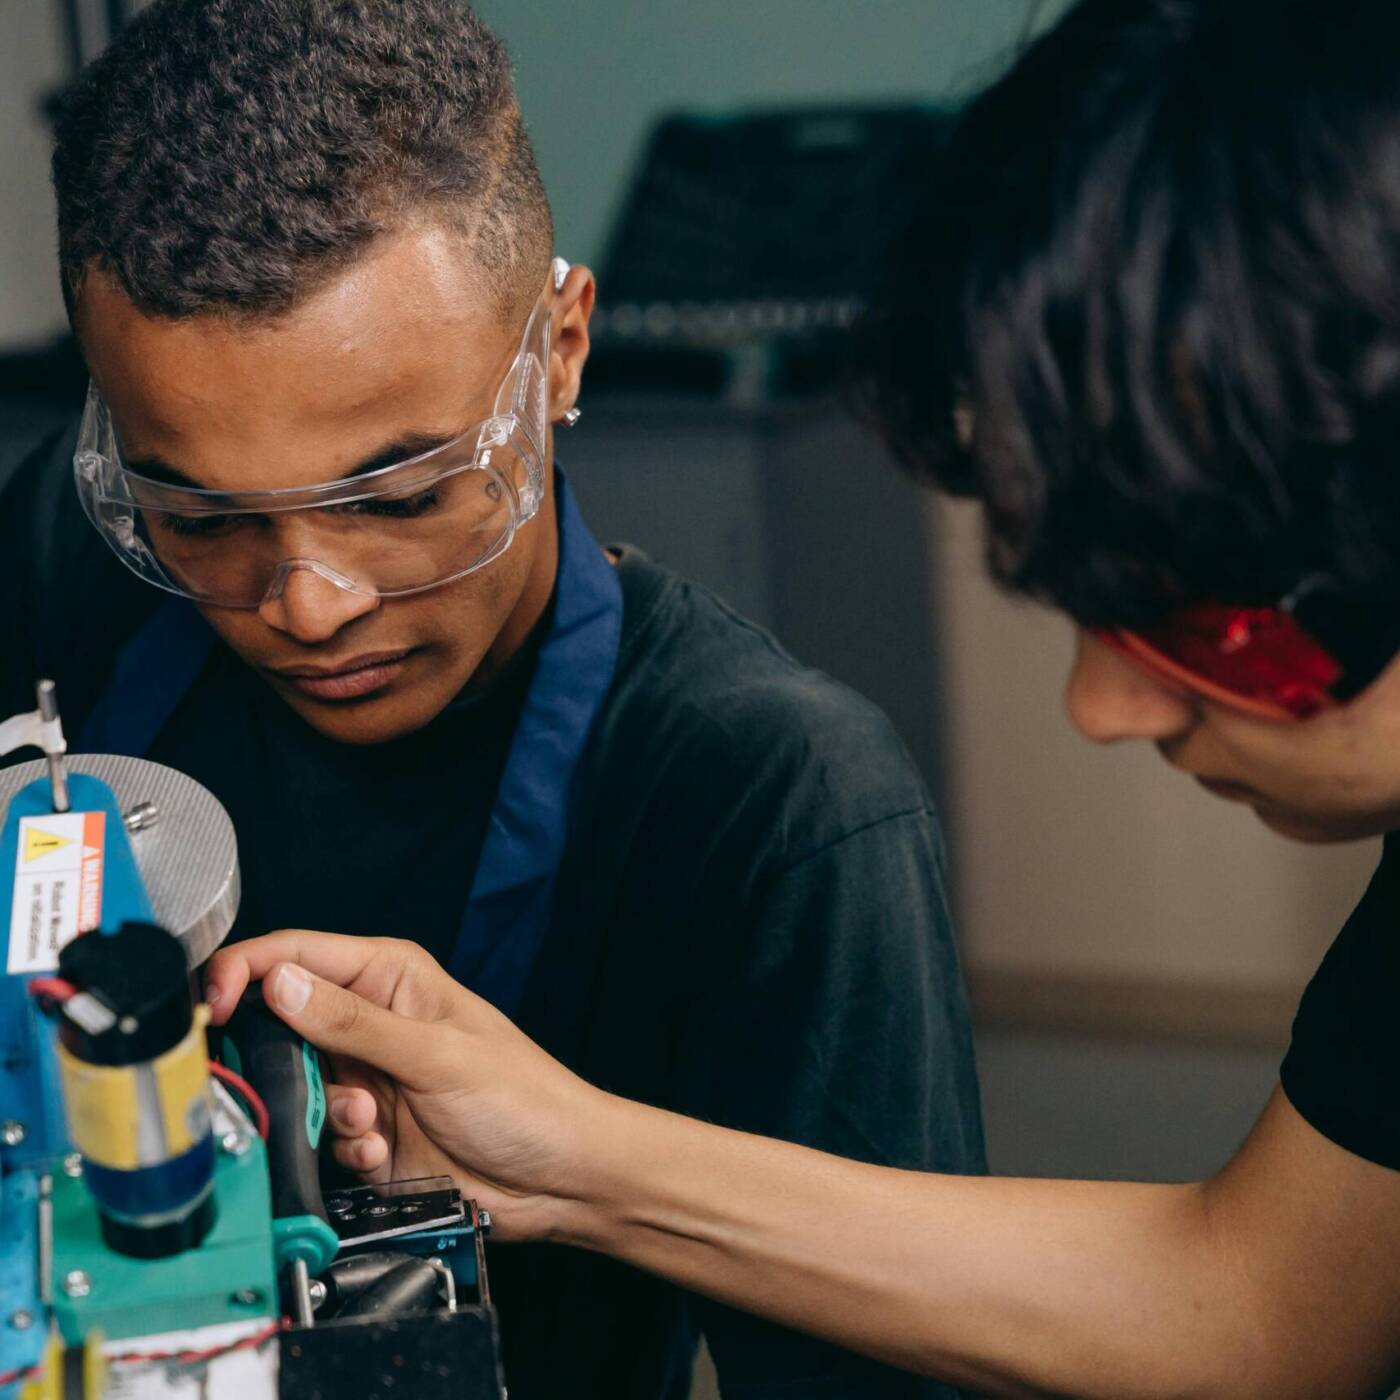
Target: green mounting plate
(229, 1278)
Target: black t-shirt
(1342, 1071)
(379, 840)
(750, 922)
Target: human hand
(428, 1079)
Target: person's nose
(311, 608)
(1109, 698)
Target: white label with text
(58, 886)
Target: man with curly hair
(329, 570)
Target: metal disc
(187, 851)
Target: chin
(377, 719)
(1321, 830)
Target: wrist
(611, 1176)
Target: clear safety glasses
(398, 530)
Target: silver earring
(571, 416)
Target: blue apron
(509, 908)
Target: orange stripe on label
(90, 884)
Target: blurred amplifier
(755, 232)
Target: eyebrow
(156, 468)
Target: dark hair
(230, 155)
(1149, 312)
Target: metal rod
(481, 1223)
(449, 1284)
(46, 1239)
(58, 765)
(301, 1293)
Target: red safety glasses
(1257, 660)
(1314, 650)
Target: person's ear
(569, 343)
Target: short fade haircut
(1150, 315)
(230, 156)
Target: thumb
(340, 1022)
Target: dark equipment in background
(745, 247)
(714, 434)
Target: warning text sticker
(58, 887)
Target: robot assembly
(164, 1228)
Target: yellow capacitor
(131, 1116)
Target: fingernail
(212, 995)
(338, 1105)
(291, 989)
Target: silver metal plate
(188, 855)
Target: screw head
(235, 1144)
(73, 1164)
(13, 1132)
(316, 1291)
(21, 1319)
(247, 1297)
(77, 1284)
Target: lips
(352, 680)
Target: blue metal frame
(35, 1135)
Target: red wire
(254, 1339)
(187, 1358)
(54, 988)
(246, 1092)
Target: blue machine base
(23, 1321)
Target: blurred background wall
(1135, 948)
(31, 65)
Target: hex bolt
(77, 1284)
(141, 816)
(317, 1290)
(21, 1319)
(13, 1132)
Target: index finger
(336, 957)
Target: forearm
(1010, 1287)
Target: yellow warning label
(39, 843)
